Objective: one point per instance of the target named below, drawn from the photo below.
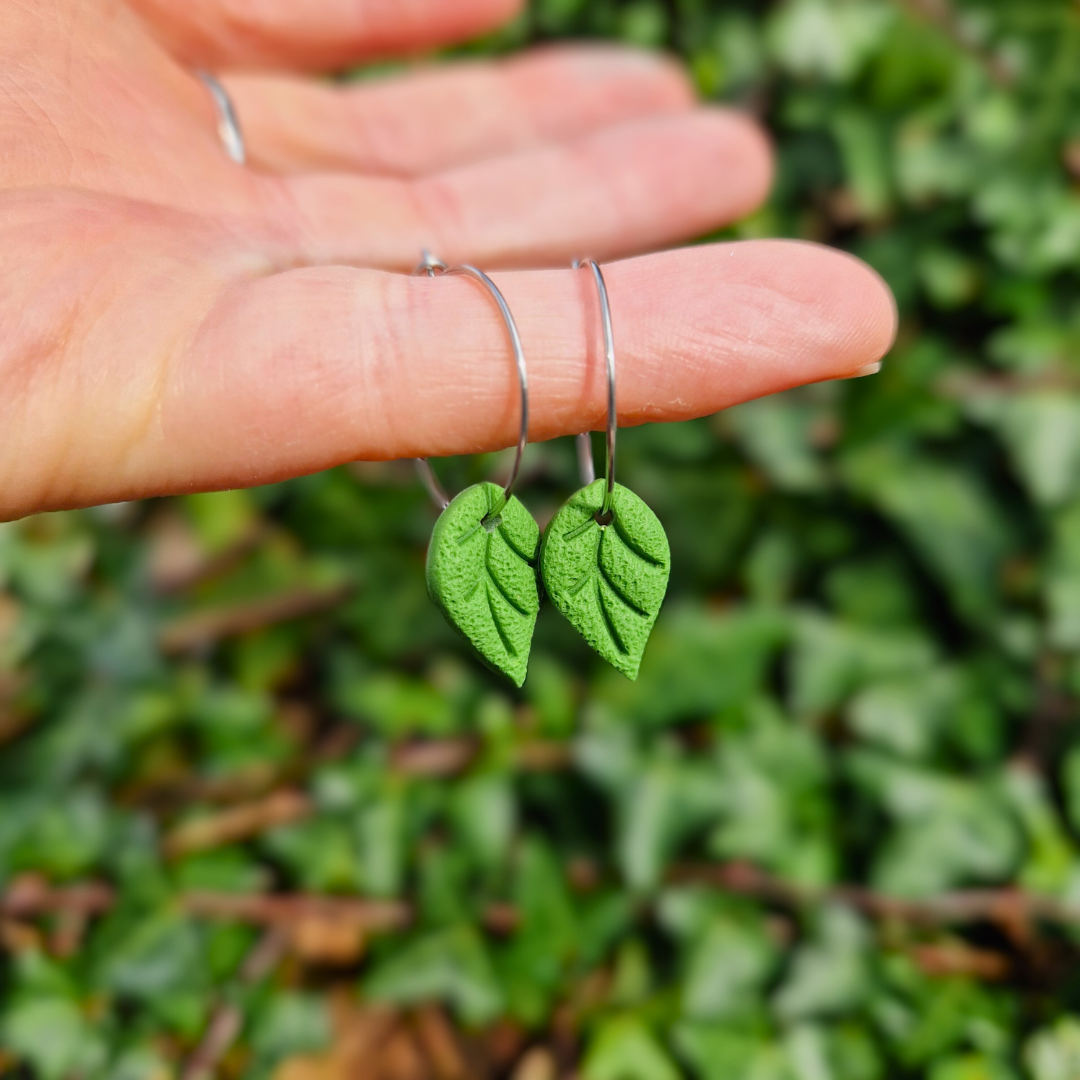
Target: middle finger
(437, 118)
(632, 187)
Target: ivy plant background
(261, 814)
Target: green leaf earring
(481, 563)
(605, 558)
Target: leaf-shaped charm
(481, 571)
(608, 580)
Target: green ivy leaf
(608, 580)
(481, 572)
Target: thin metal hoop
(232, 138)
(433, 266)
(584, 441)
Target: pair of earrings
(603, 560)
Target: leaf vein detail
(497, 583)
(499, 629)
(609, 623)
(617, 589)
(504, 532)
(633, 544)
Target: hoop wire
(232, 138)
(584, 441)
(433, 266)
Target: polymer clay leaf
(608, 580)
(481, 572)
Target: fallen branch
(30, 895)
(956, 958)
(13, 724)
(238, 823)
(255, 780)
(440, 1044)
(421, 759)
(227, 1020)
(544, 756)
(1071, 157)
(1011, 909)
(13, 721)
(1006, 907)
(179, 561)
(967, 385)
(434, 757)
(370, 916)
(205, 628)
(451, 757)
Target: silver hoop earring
(232, 138)
(605, 559)
(481, 562)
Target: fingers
(315, 34)
(143, 352)
(314, 367)
(635, 186)
(439, 118)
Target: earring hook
(229, 131)
(584, 442)
(433, 266)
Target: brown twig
(12, 723)
(1071, 156)
(31, 895)
(222, 1031)
(200, 629)
(344, 923)
(422, 758)
(441, 1046)
(430, 758)
(542, 755)
(501, 919)
(238, 823)
(539, 1063)
(1006, 907)
(957, 958)
(451, 757)
(434, 757)
(17, 937)
(173, 792)
(961, 386)
(371, 916)
(178, 561)
(227, 1020)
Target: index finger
(166, 354)
(319, 366)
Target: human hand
(171, 321)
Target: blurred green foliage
(864, 685)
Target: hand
(171, 321)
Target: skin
(173, 322)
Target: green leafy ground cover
(256, 800)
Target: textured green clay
(481, 571)
(608, 580)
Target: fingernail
(866, 369)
